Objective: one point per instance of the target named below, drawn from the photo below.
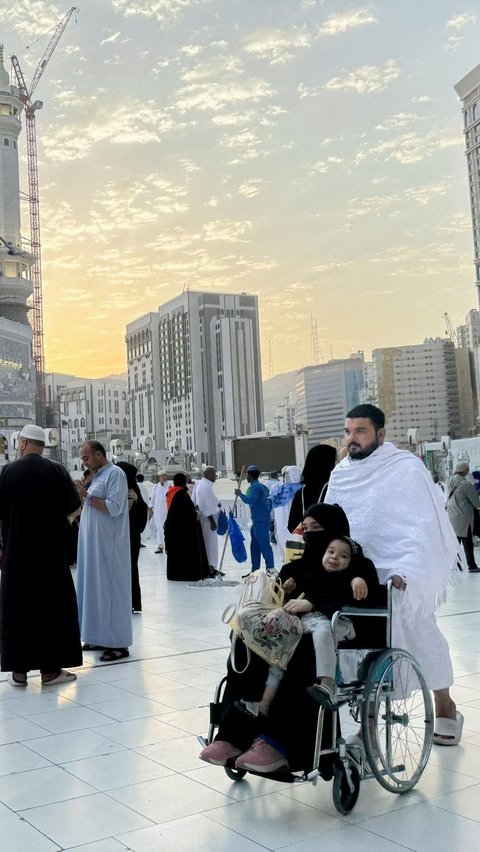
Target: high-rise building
(92, 409)
(325, 392)
(17, 373)
(194, 373)
(423, 387)
(468, 90)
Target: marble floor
(110, 762)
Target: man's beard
(363, 454)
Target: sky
(308, 152)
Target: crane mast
(30, 109)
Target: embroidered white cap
(33, 433)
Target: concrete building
(17, 372)
(325, 392)
(194, 373)
(423, 387)
(96, 409)
(468, 90)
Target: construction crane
(30, 108)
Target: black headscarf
(334, 522)
(318, 466)
(138, 513)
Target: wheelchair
(384, 692)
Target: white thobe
(104, 584)
(207, 503)
(158, 503)
(144, 492)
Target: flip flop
(110, 655)
(63, 677)
(451, 728)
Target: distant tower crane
(30, 108)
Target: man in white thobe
(158, 502)
(104, 584)
(208, 506)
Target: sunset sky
(309, 152)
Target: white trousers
(320, 628)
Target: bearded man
(398, 517)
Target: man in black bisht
(38, 608)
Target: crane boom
(33, 196)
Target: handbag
(257, 588)
(270, 632)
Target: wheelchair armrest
(356, 610)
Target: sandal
(88, 647)
(12, 680)
(448, 732)
(111, 654)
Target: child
(344, 577)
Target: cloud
(366, 80)
(110, 39)
(251, 188)
(133, 122)
(159, 9)
(410, 147)
(399, 119)
(452, 44)
(33, 18)
(337, 24)
(323, 166)
(227, 231)
(278, 46)
(215, 95)
(458, 22)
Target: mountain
(274, 392)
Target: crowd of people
(353, 544)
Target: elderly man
(104, 591)
(397, 516)
(462, 503)
(158, 504)
(208, 506)
(38, 610)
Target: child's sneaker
(262, 757)
(219, 752)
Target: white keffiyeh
(397, 515)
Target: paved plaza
(110, 762)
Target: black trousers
(467, 542)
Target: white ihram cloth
(292, 474)
(207, 503)
(158, 502)
(397, 515)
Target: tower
(15, 283)
(468, 90)
(17, 373)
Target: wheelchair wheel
(346, 787)
(235, 774)
(397, 720)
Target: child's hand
(289, 585)
(359, 589)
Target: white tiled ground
(110, 762)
